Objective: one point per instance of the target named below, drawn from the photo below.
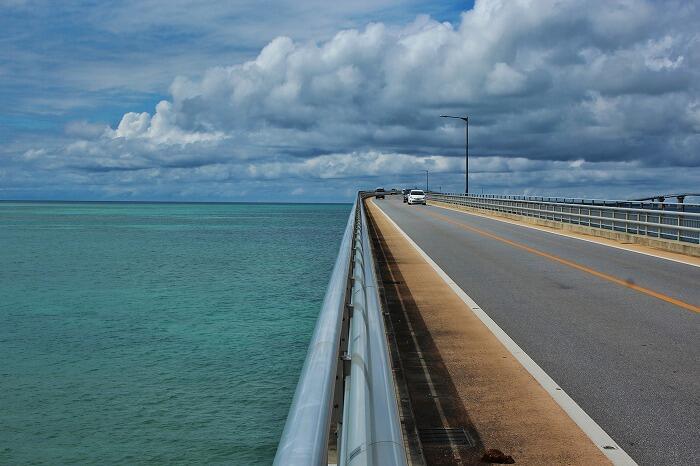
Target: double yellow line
(626, 283)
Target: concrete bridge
(518, 336)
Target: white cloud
(504, 80)
(658, 55)
(568, 85)
(161, 128)
(133, 125)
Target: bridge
(497, 329)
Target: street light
(426, 181)
(466, 148)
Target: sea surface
(156, 333)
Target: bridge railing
(653, 222)
(345, 409)
(632, 204)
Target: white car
(416, 196)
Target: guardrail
(345, 398)
(631, 204)
(667, 224)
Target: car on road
(416, 196)
(379, 193)
(405, 195)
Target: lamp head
(463, 118)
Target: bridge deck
(617, 330)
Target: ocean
(156, 333)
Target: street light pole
(465, 119)
(427, 186)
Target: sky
(294, 100)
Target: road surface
(619, 331)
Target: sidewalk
(506, 408)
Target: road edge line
(546, 230)
(595, 433)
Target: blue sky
(281, 100)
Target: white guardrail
(345, 398)
(649, 220)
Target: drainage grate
(441, 435)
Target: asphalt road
(630, 359)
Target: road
(619, 331)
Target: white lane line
(546, 230)
(598, 436)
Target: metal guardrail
(667, 224)
(345, 396)
(632, 204)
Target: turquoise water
(156, 333)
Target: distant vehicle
(416, 196)
(394, 191)
(379, 193)
(405, 194)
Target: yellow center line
(626, 283)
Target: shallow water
(156, 333)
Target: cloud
(571, 87)
(504, 80)
(161, 128)
(85, 130)
(351, 91)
